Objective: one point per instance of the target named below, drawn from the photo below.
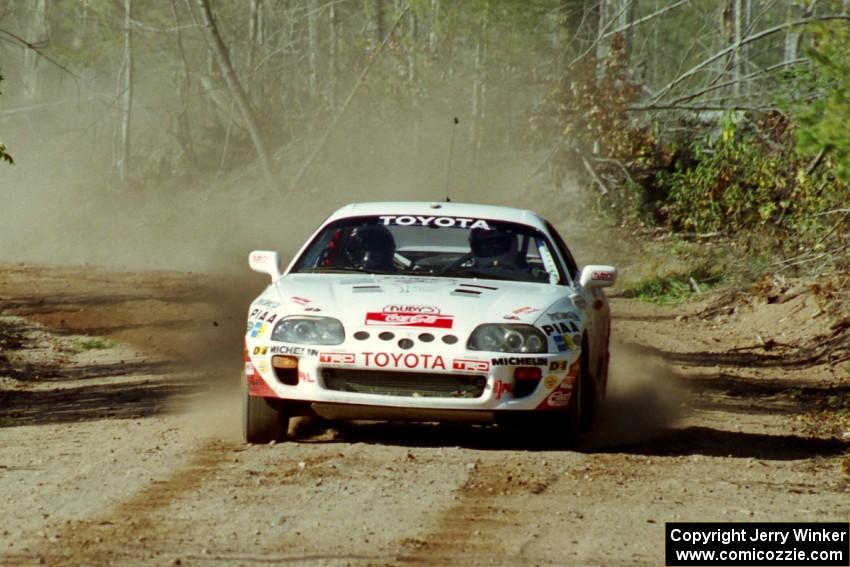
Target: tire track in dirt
(475, 529)
(134, 523)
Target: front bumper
(456, 381)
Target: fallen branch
(594, 175)
(620, 164)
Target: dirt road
(119, 442)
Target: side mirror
(265, 262)
(598, 276)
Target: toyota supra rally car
(428, 312)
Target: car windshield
(438, 246)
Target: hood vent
(476, 286)
(472, 290)
(466, 292)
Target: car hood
(418, 302)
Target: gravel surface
(119, 443)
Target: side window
(572, 267)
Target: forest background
(181, 133)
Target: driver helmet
(493, 246)
(371, 248)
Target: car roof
(442, 209)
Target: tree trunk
(125, 94)
(219, 52)
(313, 47)
(38, 35)
(627, 16)
(183, 127)
(377, 23)
(737, 55)
(332, 57)
(82, 25)
(254, 32)
(601, 26)
(792, 35)
(411, 51)
(433, 36)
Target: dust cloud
(644, 398)
(62, 202)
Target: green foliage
(750, 177)
(823, 120)
(733, 183)
(90, 343)
(672, 289)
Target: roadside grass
(84, 344)
(674, 288)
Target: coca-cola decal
(410, 316)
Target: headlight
(309, 331)
(507, 338)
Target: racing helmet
(371, 248)
(493, 246)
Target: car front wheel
(261, 423)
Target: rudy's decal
(519, 361)
(336, 357)
(500, 388)
(296, 350)
(407, 360)
(442, 222)
(410, 316)
(465, 365)
(602, 276)
(422, 309)
(299, 300)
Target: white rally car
(428, 312)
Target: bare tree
(184, 89)
(627, 13)
(256, 30)
(218, 52)
(125, 94)
(37, 36)
(333, 47)
(377, 22)
(433, 37)
(313, 47)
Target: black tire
(261, 423)
(572, 418)
(589, 399)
